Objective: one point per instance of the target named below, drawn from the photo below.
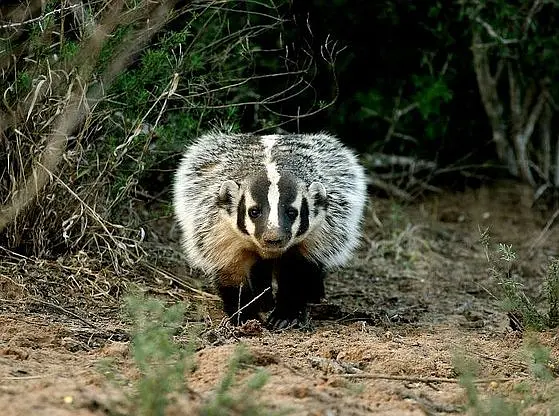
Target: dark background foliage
(396, 50)
(423, 81)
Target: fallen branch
(224, 320)
(382, 160)
(389, 188)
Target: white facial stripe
(297, 205)
(249, 224)
(273, 177)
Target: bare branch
(523, 125)
(493, 33)
(545, 138)
(389, 188)
(515, 102)
(536, 7)
(556, 176)
(529, 96)
(382, 160)
(487, 85)
(534, 115)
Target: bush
(101, 100)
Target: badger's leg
(236, 298)
(299, 281)
(244, 302)
(261, 283)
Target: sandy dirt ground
(417, 300)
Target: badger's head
(276, 212)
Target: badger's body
(252, 208)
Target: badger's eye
(254, 212)
(291, 213)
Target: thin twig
(247, 305)
(38, 18)
(37, 377)
(544, 231)
(430, 379)
(181, 282)
(15, 378)
(53, 305)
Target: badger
(265, 217)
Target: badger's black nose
(275, 242)
(274, 238)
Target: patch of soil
(417, 300)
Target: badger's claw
(279, 323)
(278, 320)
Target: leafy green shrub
(522, 311)
(225, 401)
(161, 361)
(541, 368)
(164, 365)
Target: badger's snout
(275, 238)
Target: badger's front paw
(287, 319)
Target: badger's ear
(317, 192)
(228, 190)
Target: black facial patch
(304, 218)
(241, 210)
(288, 190)
(259, 193)
(288, 193)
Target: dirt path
(416, 303)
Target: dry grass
(54, 119)
(72, 155)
